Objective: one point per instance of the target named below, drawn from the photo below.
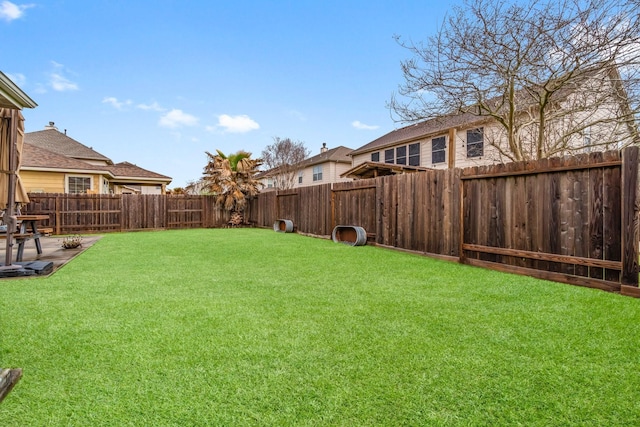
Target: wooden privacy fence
(571, 220)
(90, 213)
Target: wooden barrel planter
(283, 226)
(349, 235)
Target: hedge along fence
(572, 220)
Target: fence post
(630, 200)
(56, 204)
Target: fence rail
(90, 213)
(572, 220)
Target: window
(300, 177)
(78, 184)
(414, 154)
(388, 155)
(317, 173)
(475, 142)
(375, 157)
(438, 146)
(401, 155)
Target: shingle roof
(126, 169)
(338, 154)
(58, 142)
(428, 127)
(37, 157)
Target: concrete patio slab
(52, 250)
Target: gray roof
(339, 154)
(128, 170)
(53, 140)
(37, 157)
(431, 127)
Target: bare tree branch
(283, 159)
(551, 74)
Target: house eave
(66, 170)
(129, 179)
(11, 96)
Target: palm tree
(231, 179)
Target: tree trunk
(236, 219)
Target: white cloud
(359, 125)
(298, 115)
(62, 84)
(237, 124)
(58, 81)
(18, 79)
(177, 118)
(151, 107)
(118, 105)
(10, 11)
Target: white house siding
(151, 189)
(330, 173)
(426, 158)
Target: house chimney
(324, 148)
(51, 126)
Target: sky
(159, 82)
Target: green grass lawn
(238, 327)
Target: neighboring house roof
(340, 154)
(51, 149)
(125, 170)
(432, 127)
(34, 157)
(54, 140)
(37, 158)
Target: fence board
(573, 218)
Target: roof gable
(129, 170)
(338, 154)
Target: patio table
(28, 230)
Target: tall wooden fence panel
(420, 211)
(314, 210)
(354, 203)
(142, 213)
(287, 206)
(572, 220)
(561, 218)
(262, 209)
(91, 213)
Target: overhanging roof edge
(13, 94)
